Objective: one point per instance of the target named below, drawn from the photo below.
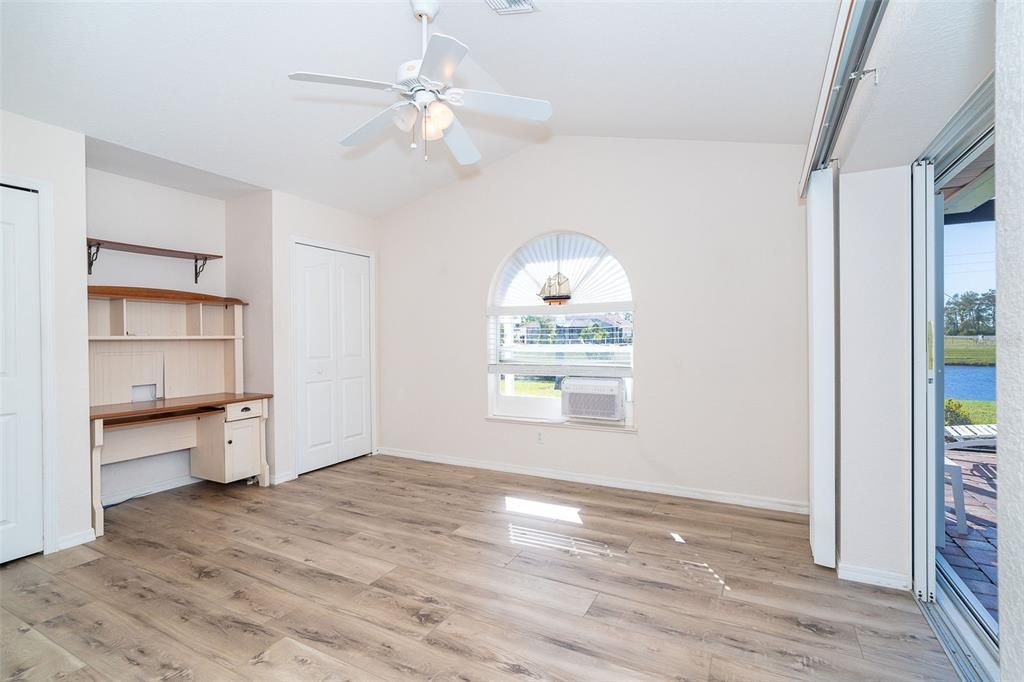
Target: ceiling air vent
(512, 6)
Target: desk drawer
(236, 411)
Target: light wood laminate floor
(385, 568)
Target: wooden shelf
(165, 338)
(149, 250)
(164, 295)
(93, 245)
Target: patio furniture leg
(956, 480)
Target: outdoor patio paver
(974, 555)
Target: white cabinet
(242, 448)
(227, 451)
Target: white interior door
(332, 356)
(21, 448)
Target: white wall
(295, 218)
(875, 376)
(712, 237)
(249, 243)
(249, 277)
(43, 152)
(1010, 371)
(129, 210)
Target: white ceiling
(119, 160)
(930, 56)
(205, 84)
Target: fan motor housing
(407, 71)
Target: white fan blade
(509, 106)
(340, 80)
(443, 56)
(461, 146)
(373, 126)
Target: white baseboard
(644, 486)
(148, 489)
(75, 539)
(282, 477)
(873, 576)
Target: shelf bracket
(92, 252)
(200, 264)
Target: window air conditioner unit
(592, 398)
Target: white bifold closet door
(21, 448)
(822, 223)
(331, 323)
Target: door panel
(822, 223)
(331, 308)
(318, 293)
(21, 458)
(927, 452)
(355, 354)
(352, 403)
(320, 411)
(316, 322)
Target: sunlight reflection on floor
(556, 512)
(531, 537)
(704, 566)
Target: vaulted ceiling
(205, 84)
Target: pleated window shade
(595, 276)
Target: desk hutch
(165, 374)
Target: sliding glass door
(955, 424)
(968, 543)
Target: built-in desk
(224, 432)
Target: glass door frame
(958, 618)
(926, 480)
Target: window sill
(561, 424)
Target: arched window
(561, 307)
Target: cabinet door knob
(246, 409)
(229, 442)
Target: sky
(970, 257)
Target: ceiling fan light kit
(428, 104)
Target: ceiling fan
(428, 97)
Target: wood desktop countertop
(190, 402)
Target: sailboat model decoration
(556, 290)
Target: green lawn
(967, 350)
(535, 389)
(980, 411)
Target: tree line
(971, 314)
